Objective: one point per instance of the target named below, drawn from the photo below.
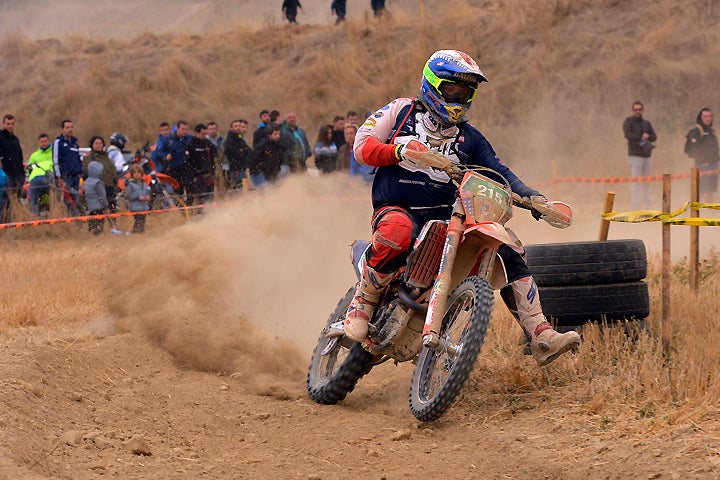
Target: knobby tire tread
(464, 363)
(352, 369)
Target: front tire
(441, 372)
(336, 368)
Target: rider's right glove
(411, 152)
(417, 153)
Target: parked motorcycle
(436, 310)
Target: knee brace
(393, 233)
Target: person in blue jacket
(68, 164)
(171, 151)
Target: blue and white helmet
(449, 84)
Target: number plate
(485, 200)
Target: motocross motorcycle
(436, 310)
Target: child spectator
(138, 195)
(95, 196)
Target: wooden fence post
(694, 231)
(666, 207)
(605, 224)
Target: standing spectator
(267, 158)
(155, 156)
(299, 150)
(3, 193)
(109, 175)
(640, 135)
(345, 150)
(346, 157)
(220, 169)
(138, 195)
(338, 132)
(11, 156)
(214, 137)
(201, 165)
(259, 133)
(117, 155)
(702, 145)
(172, 151)
(351, 118)
(378, 7)
(95, 196)
(67, 163)
(290, 8)
(40, 167)
(236, 152)
(338, 7)
(325, 150)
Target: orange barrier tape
(85, 218)
(604, 180)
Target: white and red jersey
(425, 192)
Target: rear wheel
(337, 363)
(441, 372)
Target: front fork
(441, 287)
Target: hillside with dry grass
(562, 72)
(182, 353)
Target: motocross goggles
(452, 91)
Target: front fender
(478, 239)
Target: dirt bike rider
(406, 193)
(120, 159)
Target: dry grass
(562, 75)
(616, 378)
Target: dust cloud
(246, 288)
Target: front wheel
(441, 372)
(337, 363)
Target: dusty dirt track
(85, 405)
(197, 370)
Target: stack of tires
(581, 282)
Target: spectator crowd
(189, 163)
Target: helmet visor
(452, 91)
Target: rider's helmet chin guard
(449, 84)
(118, 139)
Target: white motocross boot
(362, 307)
(545, 343)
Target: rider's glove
(417, 153)
(411, 152)
(537, 214)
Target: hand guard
(418, 153)
(557, 214)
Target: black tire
(576, 305)
(587, 263)
(440, 375)
(333, 375)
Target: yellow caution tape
(639, 216)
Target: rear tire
(440, 373)
(333, 375)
